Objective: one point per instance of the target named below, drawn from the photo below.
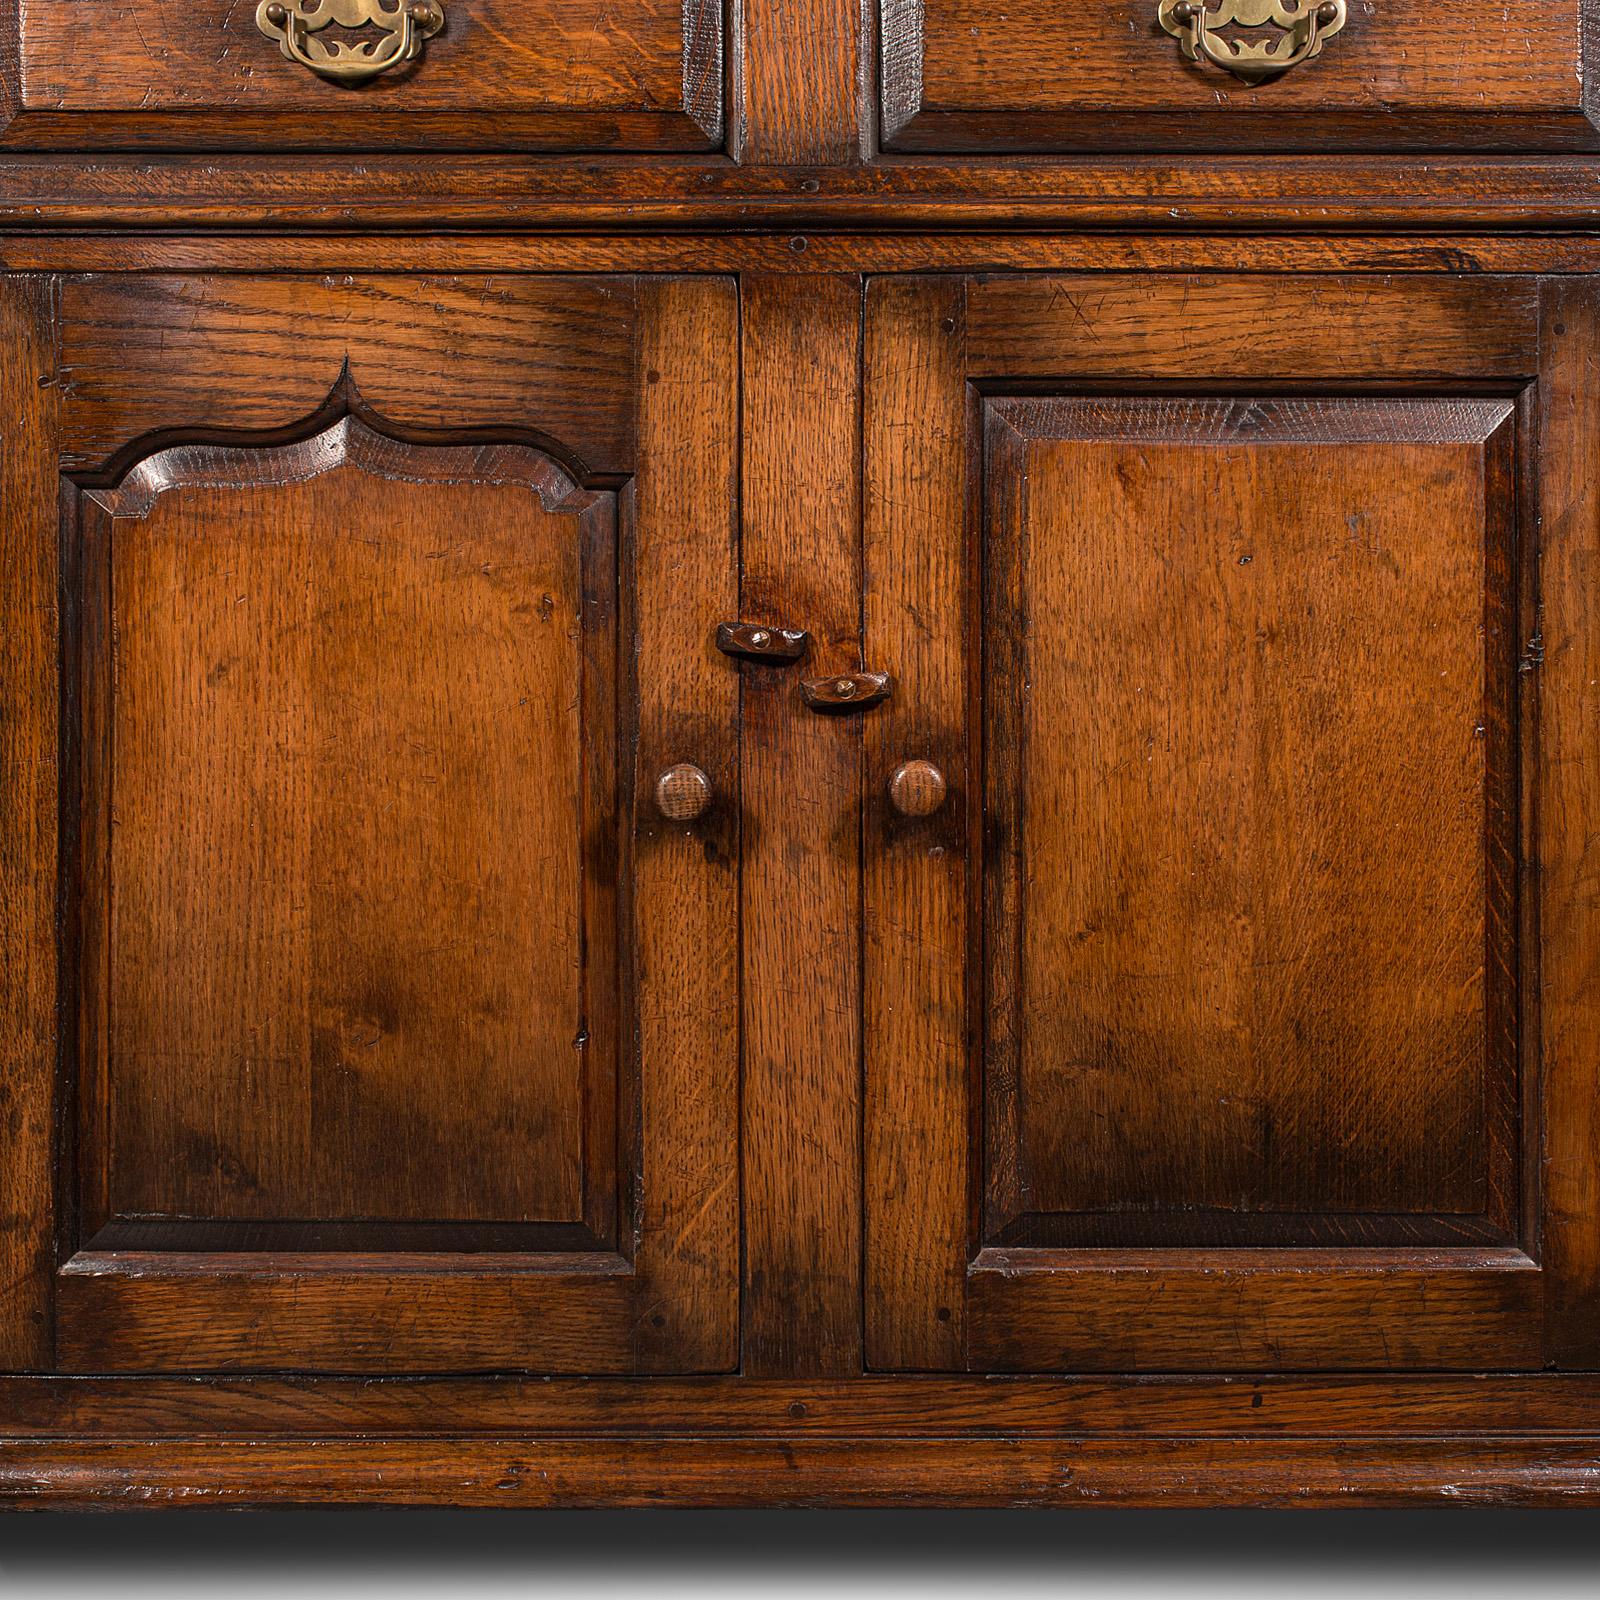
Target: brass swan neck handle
(1298, 34)
(403, 28)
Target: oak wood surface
(1377, 1406)
(965, 75)
(1219, 978)
(1569, 796)
(801, 1126)
(1399, 255)
(686, 883)
(415, 975)
(997, 1472)
(915, 612)
(503, 74)
(1262, 193)
(801, 85)
(366, 691)
(1450, 1278)
(30, 753)
(548, 358)
(272, 254)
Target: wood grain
(1410, 255)
(363, 728)
(1221, 976)
(1567, 670)
(1373, 1406)
(801, 1129)
(404, 705)
(694, 1471)
(1230, 1311)
(1355, 194)
(504, 74)
(29, 772)
(165, 1312)
(685, 898)
(800, 83)
(1434, 483)
(915, 896)
(1135, 327)
(962, 75)
(543, 360)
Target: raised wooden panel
(360, 950)
(501, 75)
(371, 926)
(1251, 935)
(1202, 1030)
(961, 75)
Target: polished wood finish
(1406, 75)
(683, 793)
(1147, 916)
(1133, 1047)
(983, 1471)
(758, 641)
(502, 74)
(406, 1095)
(801, 96)
(801, 1127)
(30, 757)
(846, 692)
(325, 1057)
(917, 789)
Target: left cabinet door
(397, 1027)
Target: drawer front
(961, 75)
(363, 75)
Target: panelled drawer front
(1035, 75)
(496, 75)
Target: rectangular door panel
(1248, 711)
(346, 875)
(378, 1057)
(1224, 1048)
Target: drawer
(1248, 75)
(370, 74)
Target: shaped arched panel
(370, 1066)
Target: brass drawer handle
(1306, 26)
(294, 24)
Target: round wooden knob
(683, 793)
(917, 789)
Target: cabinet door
(400, 1026)
(1233, 1010)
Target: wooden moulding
(1355, 193)
(744, 1470)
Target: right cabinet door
(1233, 1006)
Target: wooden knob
(917, 789)
(683, 793)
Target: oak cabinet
(799, 753)
(421, 805)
